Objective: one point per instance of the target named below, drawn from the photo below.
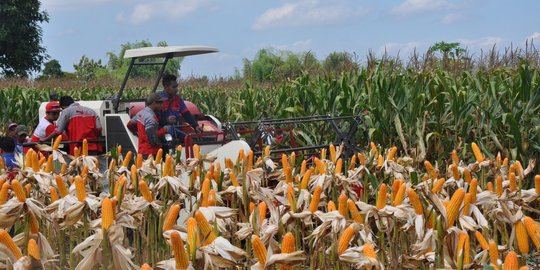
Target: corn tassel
(381, 196)
(145, 191)
(259, 250)
(206, 230)
(4, 193)
(171, 217)
(180, 256)
(400, 195)
(18, 190)
(205, 189)
(415, 201)
(107, 214)
(438, 185)
(54, 194)
(493, 252)
(481, 240)
(315, 199)
(305, 179)
(355, 214)
(453, 207)
(511, 261)
(7, 241)
(522, 238)
(477, 153)
(346, 237)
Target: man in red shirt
(45, 128)
(146, 124)
(79, 123)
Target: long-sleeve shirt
(79, 123)
(175, 105)
(146, 123)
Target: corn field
(377, 209)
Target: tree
(118, 66)
(337, 62)
(89, 69)
(52, 69)
(20, 37)
(448, 50)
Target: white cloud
(298, 46)
(452, 18)
(306, 12)
(411, 7)
(167, 9)
(481, 43)
(53, 5)
(535, 37)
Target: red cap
(53, 106)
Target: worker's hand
(198, 129)
(171, 119)
(169, 129)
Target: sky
(240, 28)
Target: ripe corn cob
(180, 256)
(145, 191)
(194, 241)
(315, 199)
(171, 217)
(455, 172)
(18, 190)
(212, 198)
(127, 159)
(391, 153)
(513, 183)
(33, 222)
(4, 193)
(205, 189)
(511, 261)
(159, 156)
(146, 266)
(291, 197)
(321, 167)
(374, 149)
(167, 166)
(473, 188)
(49, 166)
(323, 153)
(107, 214)
(381, 196)
(139, 161)
(352, 163)
(339, 166)
(259, 250)
(493, 252)
(467, 175)
(7, 241)
(33, 250)
(342, 204)
(362, 159)
(57, 142)
(505, 162)
(355, 214)
(537, 184)
(499, 185)
(234, 182)
(430, 170)
(532, 230)
(369, 251)
(438, 185)
(460, 249)
(287, 246)
(54, 194)
(346, 237)
(85, 148)
(35, 162)
(303, 167)
(481, 240)
(206, 230)
(477, 153)
(489, 186)
(453, 207)
(305, 179)
(415, 201)
(250, 160)
(267, 151)
(133, 173)
(331, 206)
(262, 210)
(76, 152)
(455, 159)
(333, 155)
(400, 195)
(112, 164)
(288, 174)
(466, 204)
(380, 161)
(395, 187)
(522, 238)
(62, 188)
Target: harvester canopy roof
(174, 51)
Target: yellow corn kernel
(455, 172)
(54, 194)
(522, 238)
(466, 204)
(258, 249)
(374, 149)
(107, 213)
(339, 166)
(391, 153)
(212, 198)
(467, 250)
(369, 251)
(415, 201)
(473, 188)
(7, 241)
(145, 191)
(49, 167)
(139, 161)
(532, 230)
(305, 179)
(400, 195)
(477, 153)
(323, 153)
(267, 151)
(127, 159)
(321, 167)
(352, 163)
(76, 152)
(119, 187)
(438, 185)
(380, 161)
(146, 266)
(33, 250)
(180, 256)
(489, 186)
(315, 199)
(33, 222)
(333, 156)
(342, 204)
(35, 162)
(455, 158)
(287, 246)
(62, 188)
(250, 160)
(519, 168)
(291, 197)
(57, 142)
(381, 196)
(234, 181)
(467, 175)
(167, 167)
(511, 261)
(159, 156)
(493, 252)
(288, 174)
(395, 187)
(346, 237)
(513, 183)
(206, 230)
(205, 189)
(481, 240)
(453, 207)
(537, 184)
(499, 185)
(192, 234)
(355, 214)
(262, 210)
(331, 206)
(18, 190)
(171, 217)
(430, 170)
(512, 169)
(362, 159)
(85, 148)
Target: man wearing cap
(173, 105)
(45, 128)
(146, 124)
(21, 131)
(79, 123)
